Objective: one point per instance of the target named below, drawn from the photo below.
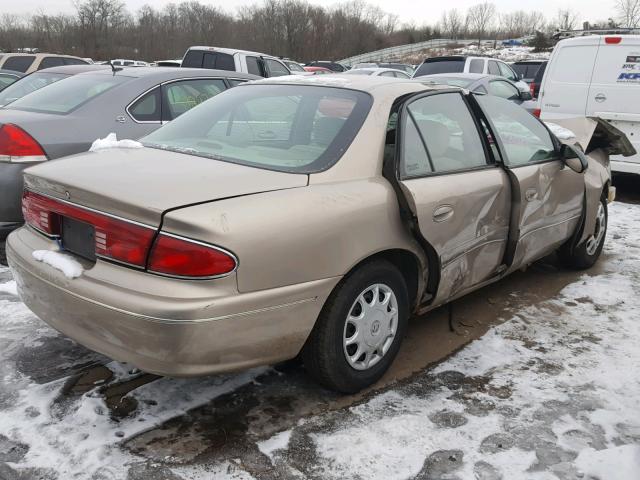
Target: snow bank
(277, 442)
(616, 463)
(560, 132)
(111, 141)
(60, 261)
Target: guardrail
(394, 52)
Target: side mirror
(574, 158)
(524, 96)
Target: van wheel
(585, 256)
(360, 328)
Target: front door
(460, 198)
(548, 197)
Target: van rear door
(614, 94)
(567, 78)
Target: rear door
(614, 94)
(459, 197)
(548, 198)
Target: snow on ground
(552, 393)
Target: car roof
(230, 51)
(37, 55)
(169, 73)
(470, 76)
(74, 69)
(373, 69)
(520, 62)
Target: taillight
(537, 112)
(612, 40)
(117, 239)
(16, 145)
(181, 257)
(532, 89)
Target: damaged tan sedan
(311, 216)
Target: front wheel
(585, 255)
(360, 328)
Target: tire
(326, 355)
(585, 255)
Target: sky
(416, 11)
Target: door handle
(442, 213)
(531, 194)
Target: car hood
(141, 184)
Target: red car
(317, 70)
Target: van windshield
(290, 128)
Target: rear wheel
(360, 328)
(585, 255)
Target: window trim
(502, 150)
(404, 111)
(268, 69)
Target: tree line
(104, 29)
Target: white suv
(234, 60)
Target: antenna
(114, 69)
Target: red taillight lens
(117, 239)
(537, 112)
(16, 145)
(612, 40)
(180, 257)
(532, 89)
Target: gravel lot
(538, 379)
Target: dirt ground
(245, 409)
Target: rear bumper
(173, 327)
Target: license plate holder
(78, 238)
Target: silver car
(67, 116)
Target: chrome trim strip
(575, 217)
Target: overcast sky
(418, 11)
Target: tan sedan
(306, 215)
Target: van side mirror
(524, 96)
(573, 158)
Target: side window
(74, 61)
(147, 108)
(48, 62)
(449, 132)
(480, 89)
(193, 59)
(6, 80)
(19, 63)
(493, 68)
(506, 72)
(476, 65)
(184, 95)
(234, 82)
(504, 90)
(253, 67)
(524, 139)
(388, 74)
(276, 69)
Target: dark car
(67, 116)
(534, 86)
(42, 78)
(7, 77)
(333, 66)
(527, 69)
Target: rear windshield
(435, 65)
(64, 97)
(453, 81)
(290, 128)
(19, 63)
(358, 71)
(28, 84)
(526, 70)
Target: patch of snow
(615, 463)
(278, 442)
(68, 265)
(9, 287)
(224, 471)
(111, 141)
(559, 131)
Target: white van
(596, 76)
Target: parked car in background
(333, 66)
(463, 64)
(239, 267)
(375, 72)
(30, 62)
(365, 65)
(405, 67)
(7, 77)
(244, 61)
(481, 83)
(167, 63)
(596, 76)
(36, 80)
(317, 70)
(294, 67)
(65, 117)
(526, 69)
(122, 62)
(534, 86)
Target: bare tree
(628, 12)
(566, 19)
(480, 18)
(452, 23)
